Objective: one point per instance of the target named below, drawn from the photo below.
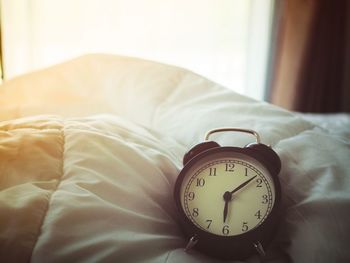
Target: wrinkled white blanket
(90, 151)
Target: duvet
(90, 151)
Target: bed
(90, 150)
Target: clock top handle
(226, 129)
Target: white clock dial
(249, 188)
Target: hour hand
(228, 195)
(242, 185)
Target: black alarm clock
(228, 197)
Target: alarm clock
(228, 197)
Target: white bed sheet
(90, 151)
(337, 124)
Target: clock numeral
(212, 171)
(258, 214)
(226, 230)
(229, 167)
(209, 221)
(246, 171)
(245, 227)
(200, 182)
(195, 212)
(191, 196)
(265, 199)
(259, 182)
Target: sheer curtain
(226, 40)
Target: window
(224, 40)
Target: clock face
(227, 193)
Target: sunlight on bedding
(91, 178)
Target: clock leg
(259, 248)
(191, 243)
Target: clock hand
(227, 197)
(242, 185)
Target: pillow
(78, 167)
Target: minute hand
(243, 184)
